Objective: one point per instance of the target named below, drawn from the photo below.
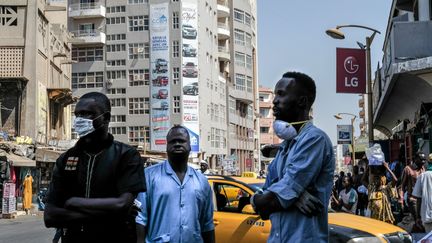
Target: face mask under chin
(285, 130)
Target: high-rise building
(35, 70)
(190, 62)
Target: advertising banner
(160, 76)
(190, 71)
(344, 134)
(350, 71)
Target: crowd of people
(397, 192)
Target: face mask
(84, 126)
(285, 130)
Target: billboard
(344, 134)
(190, 90)
(160, 76)
(350, 70)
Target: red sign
(350, 70)
(249, 163)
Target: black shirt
(117, 169)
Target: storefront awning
(19, 161)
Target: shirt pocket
(200, 201)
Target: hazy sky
(291, 36)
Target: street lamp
(339, 117)
(337, 34)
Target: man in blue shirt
(178, 205)
(303, 167)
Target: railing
(223, 26)
(84, 6)
(222, 2)
(86, 33)
(223, 49)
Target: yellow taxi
(235, 220)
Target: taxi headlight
(365, 240)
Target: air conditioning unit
(141, 76)
(141, 22)
(140, 49)
(135, 50)
(136, 77)
(109, 82)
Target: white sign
(344, 134)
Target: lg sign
(350, 70)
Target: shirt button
(182, 205)
(182, 187)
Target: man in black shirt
(95, 183)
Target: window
(8, 15)
(240, 59)
(139, 105)
(87, 80)
(118, 74)
(116, 9)
(136, 134)
(139, 50)
(248, 62)
(116, 48)
(248, 40)
(227, 203)
(117, 130)
(264, 129)
(139, 77)
(238, 15)
(137, 1)
(232, 105)
(247, 19)
(176, 75)
(250, 112)
(138, 23)
(88, 54)
(114, 37)
(116, 20)
(264, 112)
(118, 102)
(239, 37)
(222, 113)
(176, 104)
(240, 82)
(176, 48)
(175, 20)
(115, 63)
(118, 118)
(116, 91)
(249, 84)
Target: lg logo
(351, 66)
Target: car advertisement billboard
(190, 104)
(344, 133)
(160, 76)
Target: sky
(291, 37)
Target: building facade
(35, 70)
(402, 86)
(172, 62)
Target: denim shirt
(304, 163)
(173, 211)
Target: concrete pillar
(424, 10)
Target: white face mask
(84, 126)
(285, 130)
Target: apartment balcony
(85, 37)
(361, 102)
(223, 31)
(222, 78)
(224, 54)
(404, 81)
(87, 10)
(362, 114)
(223, 10)
(241, 94)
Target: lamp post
(337, 34)
(339, 117)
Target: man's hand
(266, 204)
(309, 205)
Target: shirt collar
(169, 170)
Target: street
(25, 229)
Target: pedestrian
(348, 198)
(379, 193)
(423, 192)
(27, 192)
(409, 177)
(95, 183)
(204, 167)
(302, 171)
(178, 205)
(356, 179)
(339, 182)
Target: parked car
(190, 70)
(191, 89)
(161, 105)
(189, 50)
(161, 94)
(161, 66)
(189, 32)
(160, 81)
(236, 221)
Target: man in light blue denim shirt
(302, 170)
(178, 205)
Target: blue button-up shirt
(173, 211)
(304, 163)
